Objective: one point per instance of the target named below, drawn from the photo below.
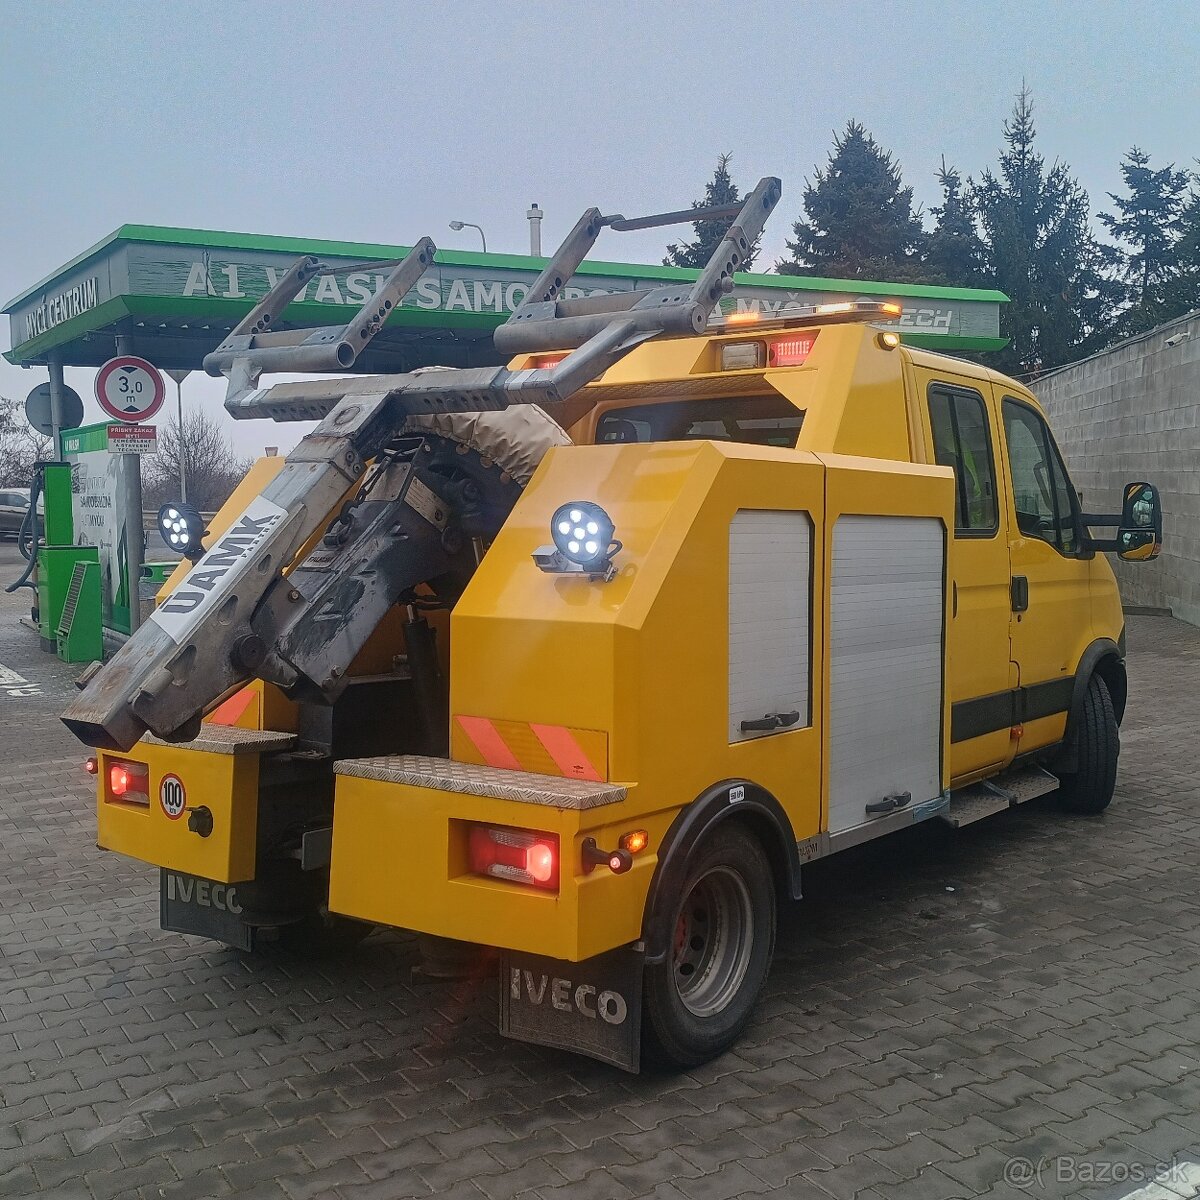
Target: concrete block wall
(1133, 412)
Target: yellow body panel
(643, 657)
(227, 784)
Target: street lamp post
(457, 225)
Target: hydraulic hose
(28, 533)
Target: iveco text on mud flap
(189, 904)
(592, 1007)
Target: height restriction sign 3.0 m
(129, 388)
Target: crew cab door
(958, 423)
(1051, 600)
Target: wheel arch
(757, 810)
(1105, 658)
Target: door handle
(771, 721)
(888, 804)
(1019, 589)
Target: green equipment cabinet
(56, 494)
(69, 602)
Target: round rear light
(539, 862)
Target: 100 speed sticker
(172, 796)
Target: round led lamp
(582, 533)
(181, 526)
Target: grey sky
(380, 122)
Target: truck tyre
(1098, 742)
(698, 1000)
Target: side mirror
(1139, 539)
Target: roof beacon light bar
(812, 314)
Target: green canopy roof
(175, 293)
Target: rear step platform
(1007, 790)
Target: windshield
(759, 420)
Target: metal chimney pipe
(535, 230)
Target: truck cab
(761, 591)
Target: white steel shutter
(885, 665)
(770, 571)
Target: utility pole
(54, 362)
(179, 377)
(535, 230)
(131, 511)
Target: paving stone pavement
(942, 1007)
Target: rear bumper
(400, 858)
(218, 772)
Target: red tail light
(518, 855)
(129, 782)
(791, 351)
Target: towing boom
(275, 597)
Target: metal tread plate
(1029, 783)
(980, 800)
(444, 775)
(973, 804)
(229, 739)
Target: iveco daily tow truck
(714, 596)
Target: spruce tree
(861, 223)
(1181, 294)
(1039, 250)
(953, 251)
(1147, 227)
(720, 190)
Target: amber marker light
(743, 318)
(635, 841)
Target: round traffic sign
(129, 388)
(37, 409)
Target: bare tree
(211, 465)
(20, 445)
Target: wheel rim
(714, 937)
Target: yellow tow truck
(584, 658)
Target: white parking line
(16, 686)
(1179, 1181)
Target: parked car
(14, 504)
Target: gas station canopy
(172, 295)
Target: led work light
(182, 527)
(583, 542)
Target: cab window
(962, 440)
(1045, 502)
(758, 420)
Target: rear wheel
(699, 999)
(1097, 744)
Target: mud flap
(189, 904)
(592, 1007)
